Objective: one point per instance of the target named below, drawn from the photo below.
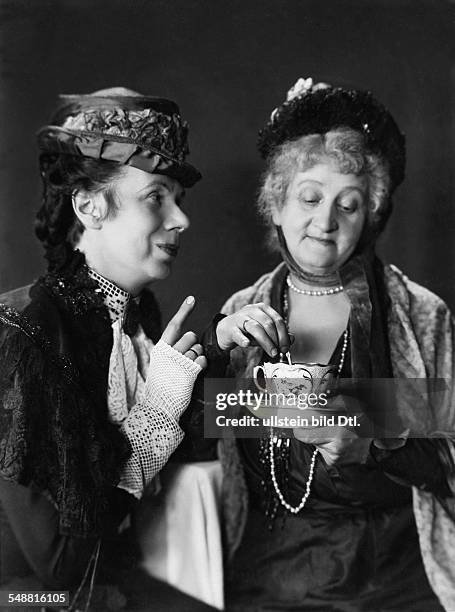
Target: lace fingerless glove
(152, 425)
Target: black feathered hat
(319, 108)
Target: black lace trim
(74, 285)
(54, 436)
(13, 318)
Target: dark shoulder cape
(54, 429)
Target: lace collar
(115, 299)
(82, 293)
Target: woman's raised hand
(254, 325)
(187, 344)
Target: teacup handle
(255, 376)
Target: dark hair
(56, 225)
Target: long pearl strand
(344, 348)
(292, 509)
(274, 440)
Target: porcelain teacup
(296, 378)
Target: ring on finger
(244, 323)
(196, 354)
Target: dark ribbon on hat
(119, 125)
(54, 139)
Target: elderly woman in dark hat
(91, 389)
(331, 520)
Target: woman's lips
(322, 241)
(169, 249)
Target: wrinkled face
(139, 242)
(323, 217)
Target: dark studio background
(228, 64)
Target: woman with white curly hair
(318, 519)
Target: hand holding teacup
(297, 390)
(336, 443)
(341, 446)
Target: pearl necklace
(292, 509)
(275, 440)
(313, 292)
(344, 348)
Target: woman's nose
(176, 219)
(325, 217)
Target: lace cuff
(153, 436)
(152, 425)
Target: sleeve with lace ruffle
(152, 426)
